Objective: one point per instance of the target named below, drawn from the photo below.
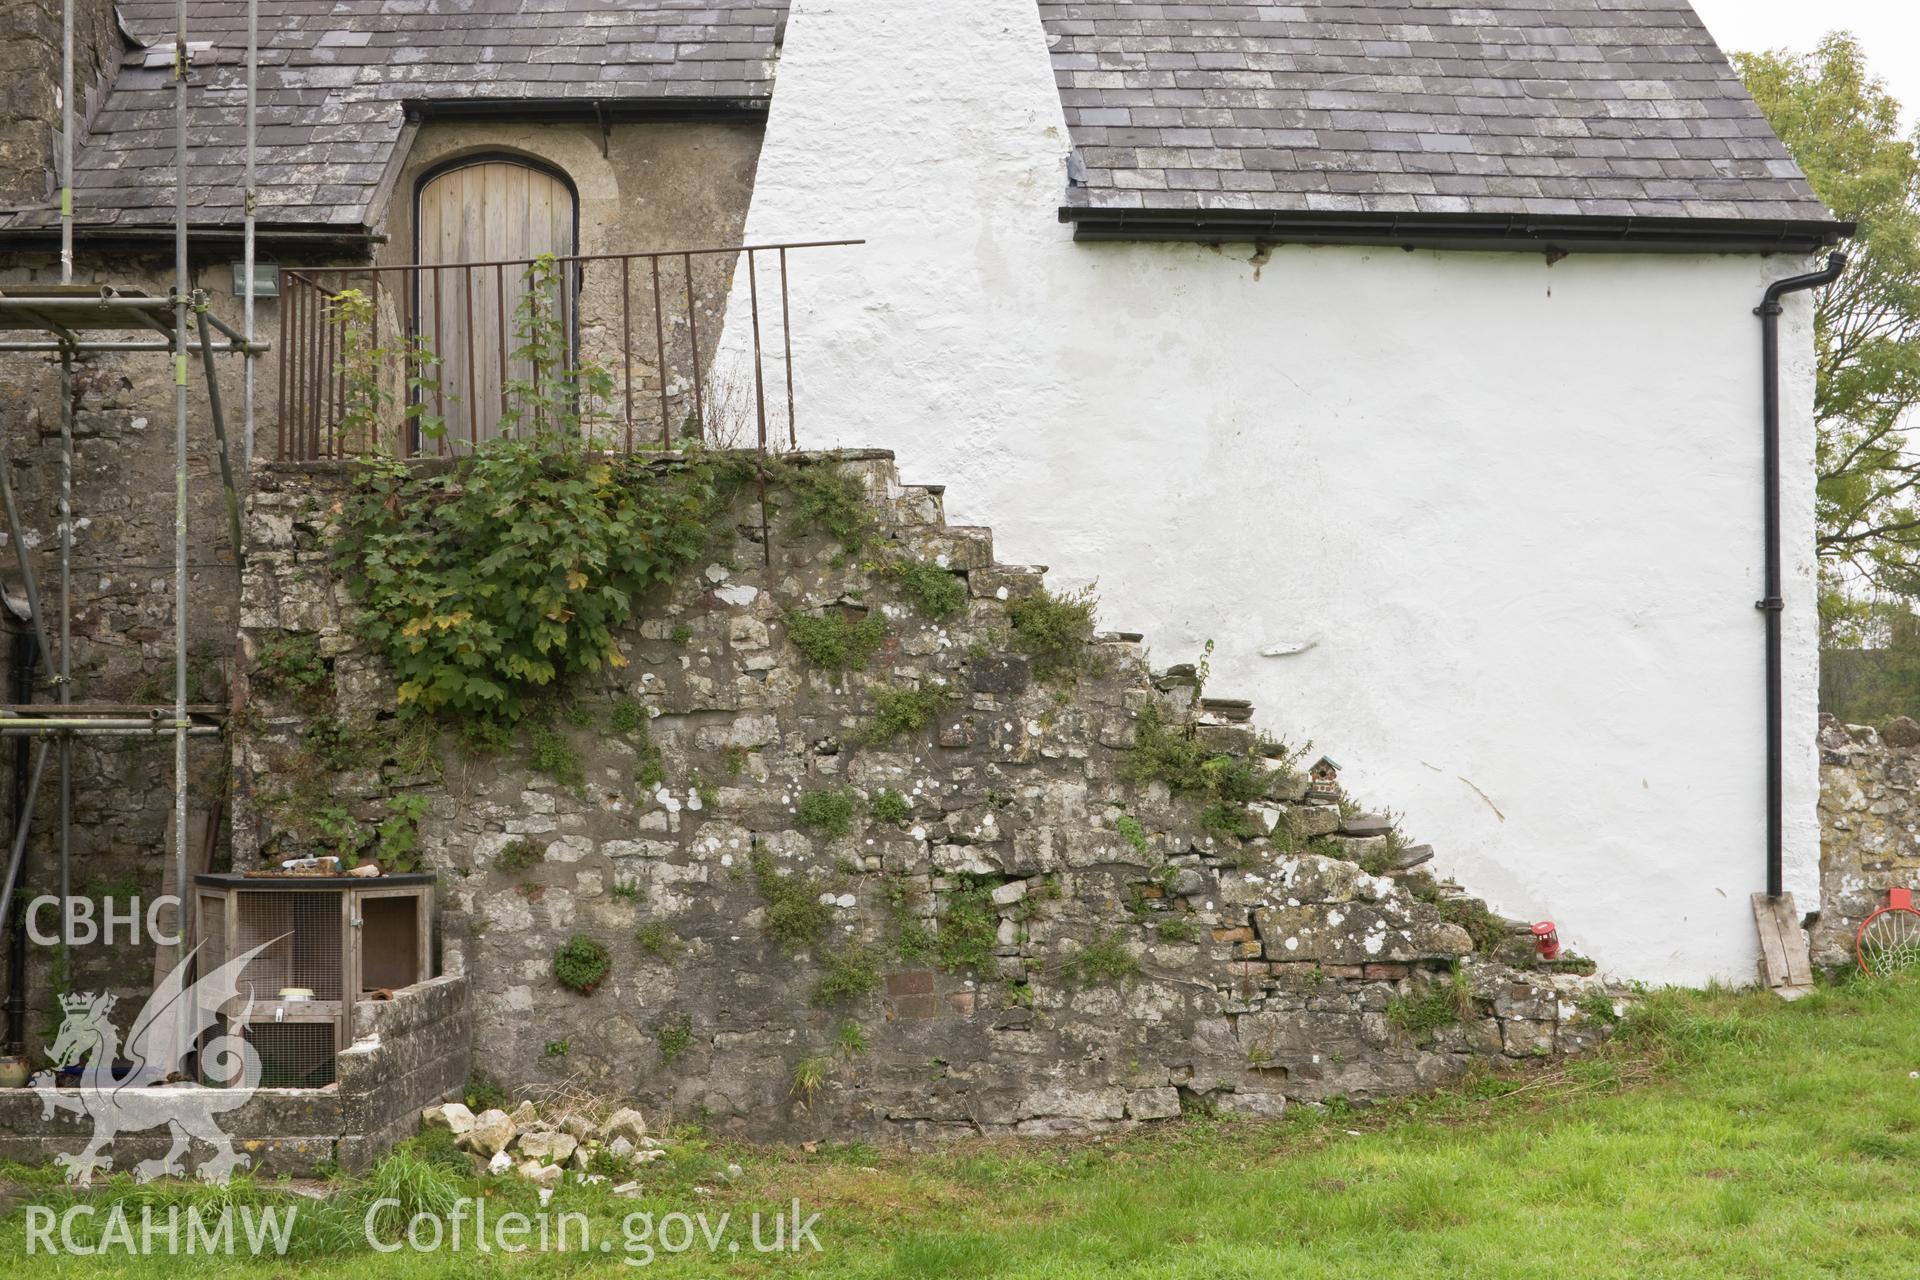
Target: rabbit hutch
(330, 942)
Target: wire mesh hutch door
(325, 942)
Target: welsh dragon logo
(154, 1092)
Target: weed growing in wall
(397, 838)
(935, 593)
(826, 499)
(888, 806)
(581, 964)
(517, 856)
(675, 1037)
(1054, 631)
(796, 917)
(851, 1039)
(834, 641)
(1105, 959)
(898, 711)
(809, 1074)
(829, 812)
(969, 925)
(851, 973)
(628, 715)
(657, 940)
(293, 668)
(1428, 1007)
(1222, 782)
(555, 757)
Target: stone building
(1414, 380)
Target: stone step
(961, 548)
(918, 505)
(1118, 637)
(1366, 824)
(1007, 581)
(1225, 710)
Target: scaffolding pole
(66, 477)
(180, 480)
(251, 202)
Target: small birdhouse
(1323, 781)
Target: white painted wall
(1513, 508)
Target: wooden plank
(1794, 939)
(1783, 946)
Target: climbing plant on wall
(489, 584)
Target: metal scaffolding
(71, 321)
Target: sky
(1888, 29)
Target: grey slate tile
(1542, 106)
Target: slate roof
(1412, 112)
(335, 73)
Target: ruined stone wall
(1869, 828)
(1124, 962)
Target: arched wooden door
(487, 210)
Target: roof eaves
(1528, 233)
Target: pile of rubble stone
(544, 1146)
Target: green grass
(1725, 1136)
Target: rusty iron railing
(650, 322)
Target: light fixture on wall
(266, 279)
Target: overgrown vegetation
(293, 668)
(1428, 1006)
(851, 972)
(1054, 631)
(969, 924)
(889, 806)
(491, 585)
(581, 964)
(828, 812)
(1105, 959)
(675, 1037)
(1223, 783)
(898, 711)
(519, 856)
(796, 917)
(826, 499)
(934, 592)
(835, 641)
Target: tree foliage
(1843, 127)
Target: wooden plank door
(502, 214)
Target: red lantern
(1546, 940)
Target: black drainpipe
(1771, 606)
(24, 657)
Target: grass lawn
(1723, 1135)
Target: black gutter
(1485, 232)
(314, 237)
(1772, 605)
(24, 656)
(680, 110)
